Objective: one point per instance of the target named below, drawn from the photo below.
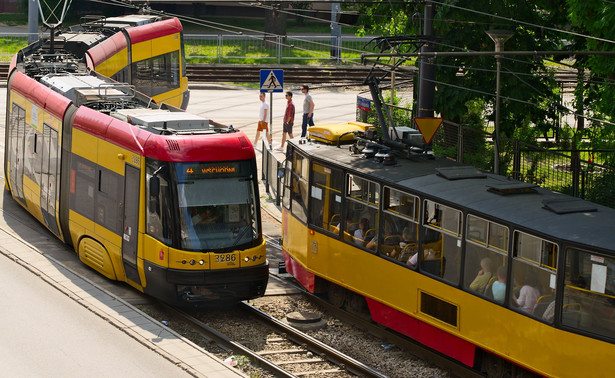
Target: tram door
(131, 223)
(49, 178)
(16, 150)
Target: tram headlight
(246, 259)
(201, 262)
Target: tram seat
(352, 227)
(369, 234)
(489, 284)
(348, 237)
(392, 240)
(407, 252)
(435, 267)
(572, 314)
(541, 304)
(335, 220)
(488, 291)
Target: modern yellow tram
(146, 51)
(148, 194)
(500, 275)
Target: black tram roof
(488, 195)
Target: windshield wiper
(237, 239)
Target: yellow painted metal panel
(173, 97)
(85, 145)
(512, 335)
(155, 252)
(224, 260)
(142, 50)
(32, 195)
(114, 158)
(165, 44)
(94, 254)
(114, 64)
(253, 256)
(187, 260)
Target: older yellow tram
(501, 275)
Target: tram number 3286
(230, 257)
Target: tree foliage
(529, 92)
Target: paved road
(239, 107)
(44, 333)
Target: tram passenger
(360, 233)
(204, 216)
(529, 294)
(498, 288)
(484, 276)
(407, 243)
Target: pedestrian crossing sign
(272, 80)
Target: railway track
(287, 352)
(294, 75)
(243, 73)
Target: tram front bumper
(189, 287)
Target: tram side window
(82, 187)
(159, 207)
(326, 197)
(157, 75)
(534, 269)
(32, 157)
(441, 245)
(110, 194)
(298, 189)
(589, 293)
(401, 218)
(362, 201)
(486, 252)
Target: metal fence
(555, 169)
(218, 48)
(221, 48)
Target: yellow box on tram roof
(330, 134)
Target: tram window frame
(83, 184)
(329, 218)
(480, 253)
(532, 279)
(160, 219)
(398, 214)
(449, 238)
(298, 173)
(109, 212)
(588, 293)
(360, 207)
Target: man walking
(262, 119)
(289, 120)
(308, 110)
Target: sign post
(271, 81)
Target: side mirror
(281, 172)
(154, 186)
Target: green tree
(528, 88)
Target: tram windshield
(216, 205)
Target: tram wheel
(337, 295)
(357, 304)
